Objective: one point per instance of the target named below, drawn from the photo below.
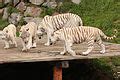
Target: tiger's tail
(106, 37)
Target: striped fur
(79, 35)
(56, 22)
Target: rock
(14, 18)
(52, 5)
(5, 13)
(1, 11)
(76, 1)
(36, 2)
(28, 19)
(21, 7)
(7, 1)
(32, 11)
(37, 20)
(15, 2)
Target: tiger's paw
(62, 53)
(34, 45)
(47, 44)
(73, 53)
(102, 52)
(84, 53)
(24, 50)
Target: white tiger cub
(28, 35)
(79, 35)
(9, 35)
(50, 24)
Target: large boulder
(76, 1)
(5, 13)
(14, 18)
(33, 11)
(21, 7)
(36, 2)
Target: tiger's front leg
(64, 51)
(14, 42)
(7, 45)
(68, 47)
(29, 45)
(34, 42)
(48, 39)
(24, 46)
(90, 47)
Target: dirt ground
(14, 54)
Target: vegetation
(3, 23)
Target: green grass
(104, 14)
(3, 23)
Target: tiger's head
(5, 34)
(55, 37)
(24, 34)
(40, 31)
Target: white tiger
(28, 35)
(78, 35)
(50, 24)
(9, 35)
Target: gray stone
(15, 2)
(28, 19)
(36, 2)
(14, 18)
(21, 6)
(37, 20)
(52, 5)
(76, 1)
(7, 1)
(33, 11)
(1, 11)
(5, 13)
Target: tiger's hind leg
(100, 43)
(90, 47)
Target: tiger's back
(62, 20)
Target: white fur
(9, 35)
(93, 35)
(28, 35)
(54, 23)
